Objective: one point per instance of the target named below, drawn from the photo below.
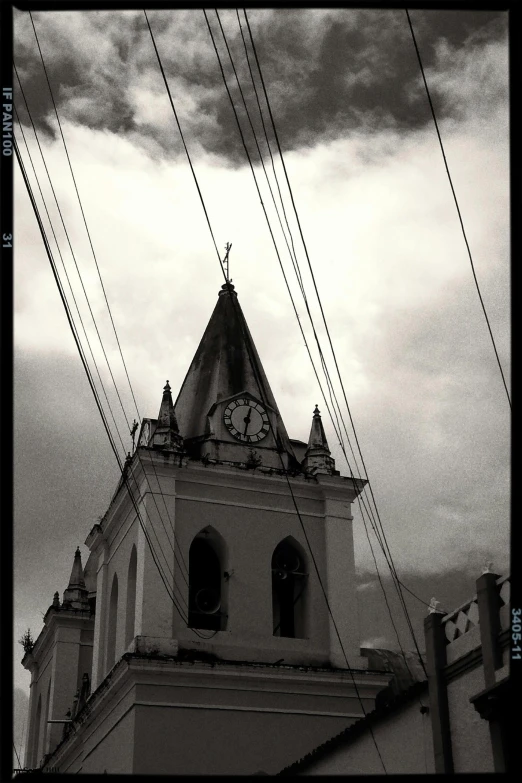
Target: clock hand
(247, 420)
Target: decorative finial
(486, 568)
(166, 387)
(56, 600)
(432, 608)
(317, 412)
(77, 553)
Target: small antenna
(225, 262)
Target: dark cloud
(328, 73)
(54, 504)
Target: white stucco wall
(470, 738)
(404, 742)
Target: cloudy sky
(383, 237)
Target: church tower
(226, 541)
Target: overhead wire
(330, 386)
(267, 140)
(295, 263)
(360, 497)
(79, 274)
(83, 214)
(304, 295)
(257, 143)
(382, 533)
(17, 756)
(177, 552)
(123, 468)
(434, 116)
(176, 555)
(254, 369)
(263, 392)
(65, 268)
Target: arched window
(289, 590)
(130, 610)
(206, 591)
(111, 624)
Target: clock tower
(225, 628)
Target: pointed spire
(76, 594)
(56, 600)
(317, 456)
(166, 435)
(225, 364)
(76, 579)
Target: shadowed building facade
(197, 639)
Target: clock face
(246, 420)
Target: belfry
(214, 628)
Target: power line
(88, 373)
(296, 266)
(260, 384)
(181, 135)
(83, 215)
(176, 556)
(101, 281)
(456, 203)
(105, 296)
(392, 568)
(60, 253)
(257, 145)
(17, 756)
(254, 369)
(96, 396)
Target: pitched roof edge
(356, 729)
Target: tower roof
(226, 363)
(317, 457)
(76, 594)
(76, 578)
(166, 434)
(317, 439)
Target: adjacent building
(458, 721)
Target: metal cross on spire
(225, 262)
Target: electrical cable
(330, 386)
(17, 756)
(251, 359)
(294, 260)
(85, 293)
(99, 274)
(304, 296)
(66, 273)
(267, 141)
(392, 568)
(257, 144)
(83, 214)
(88, 373)
(260, 384)
(456, 203)
(175, 551)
